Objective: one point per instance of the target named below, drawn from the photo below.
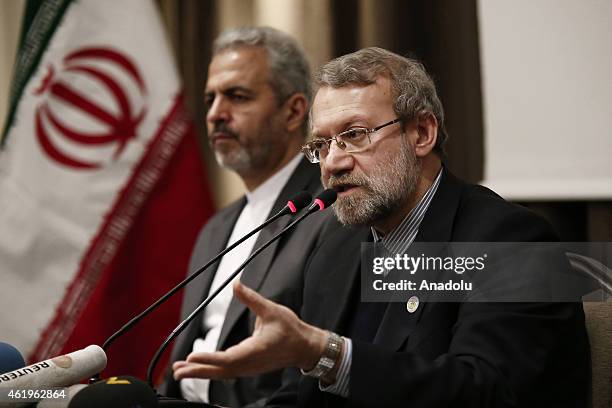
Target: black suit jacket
(276, 273)
(448, 354)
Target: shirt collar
(271, 188)
(401, 237)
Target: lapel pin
(413, 304)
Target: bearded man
(378, 134)
(257, 97)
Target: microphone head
(326, 198)
(299, 201)
(117, 392)
(10, 358)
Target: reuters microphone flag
(102, 190)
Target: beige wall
(547, 98)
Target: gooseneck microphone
(295, 204)
(324, 200)
(61, 371)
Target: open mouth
(342, 188)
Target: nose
(218, 111)
(337, 161)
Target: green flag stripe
(41, 19)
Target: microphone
(323, 200)
(61, 371)
(295, 204)
(115, 392)
(10, 358)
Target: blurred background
(525, 84)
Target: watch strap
(328, 359)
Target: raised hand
(280, 340)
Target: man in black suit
(378, 134)
(257, 95)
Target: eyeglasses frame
(306, 149)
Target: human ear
(295, 110)
(427, 133)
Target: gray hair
(289, 69)
(414, 89)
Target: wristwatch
(328, 359)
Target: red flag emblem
(120, 116)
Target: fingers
(253, 300)
(239, 360)
(178, 364)
(253, 355)
(194, 370)
(235, 356)
(217, 358)
(219, 365)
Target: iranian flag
(102, 190)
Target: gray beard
(238, 161)
(388, 188)
(243, 160)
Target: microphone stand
(289, 209)
(179, 329)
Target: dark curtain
(192, 27)
(444, 36)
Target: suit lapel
(220, 234)
(340, 287)
(437, 226)
(198, 289)
(304, 177)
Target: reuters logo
(91, 109)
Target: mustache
(335, 181)
(222, 127)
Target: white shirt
(257, 209)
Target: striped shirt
(396, 242)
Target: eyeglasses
(350, 141)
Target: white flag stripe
(51, 213)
